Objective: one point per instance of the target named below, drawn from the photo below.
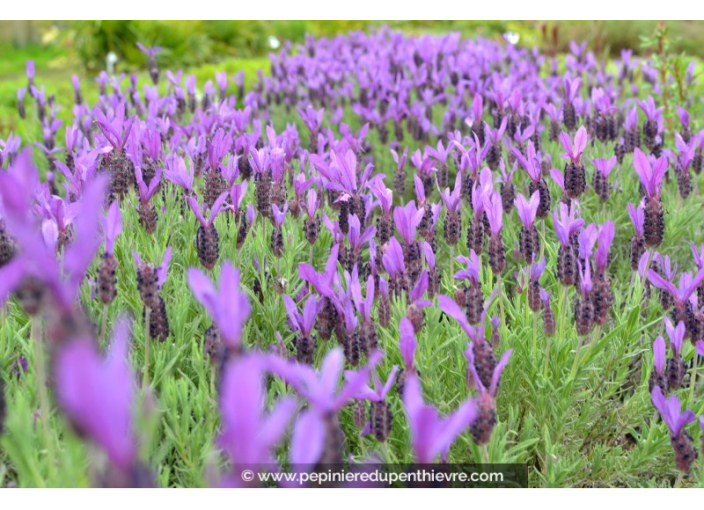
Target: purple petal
(308, 439)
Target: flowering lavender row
(399, 170)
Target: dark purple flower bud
(207, 239)
(584, 314)
(601, 184)
(548, 314)
(153, 68)
(575, 180)
(483, 426)
(536, 271)
(529, 241)
(20, 103)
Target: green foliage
(189, 43)
(613, 36)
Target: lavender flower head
(495, 378)
(228, 306)
(304, 322)
(650, 175)
(527, 209)
(675, 419)
(317, 427)
(566, 223)
(407, 220)
(196, 208)
(432, 435)
(605, 238)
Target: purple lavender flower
(605, 238)
(494, 139)
(151, 54)
(529, 241)
(676, 368)
(316, 434)
(651, 180)
(536, 271)
(681, 294)
(107, 279)
(601, 184)
(400, 175)
(207, 239)
(453, 219)
(472, 271)
(116, 131)
(407, 220)
(484, 424)
(497, 251)
(650, 175)
(575, 180)
(179, 173)
(380, 416)
(527, 209)
(637, 216)
(653, 125)
(358, 239)
(658, 377)
(569, 116)
(40, 281)
(432, 435)
(566, 227)
(228, 306)
(147, 213)
(21, 93)
(669, 409)
(277, 240)
(303, 325)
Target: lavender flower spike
(529, 240)
(407, 220)
(650, 175)
(658, 377)
(303, 324)
(107, 279)
(432, 435)
(317, 431)
(207, 239)
(675, 420)
(228, 306)
(527, 209)
(151, 53)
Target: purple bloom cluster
(469, 113)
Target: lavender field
(382, 248)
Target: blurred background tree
(62, 48)
(193, 43)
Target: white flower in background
(274, 42)
(512, 37)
